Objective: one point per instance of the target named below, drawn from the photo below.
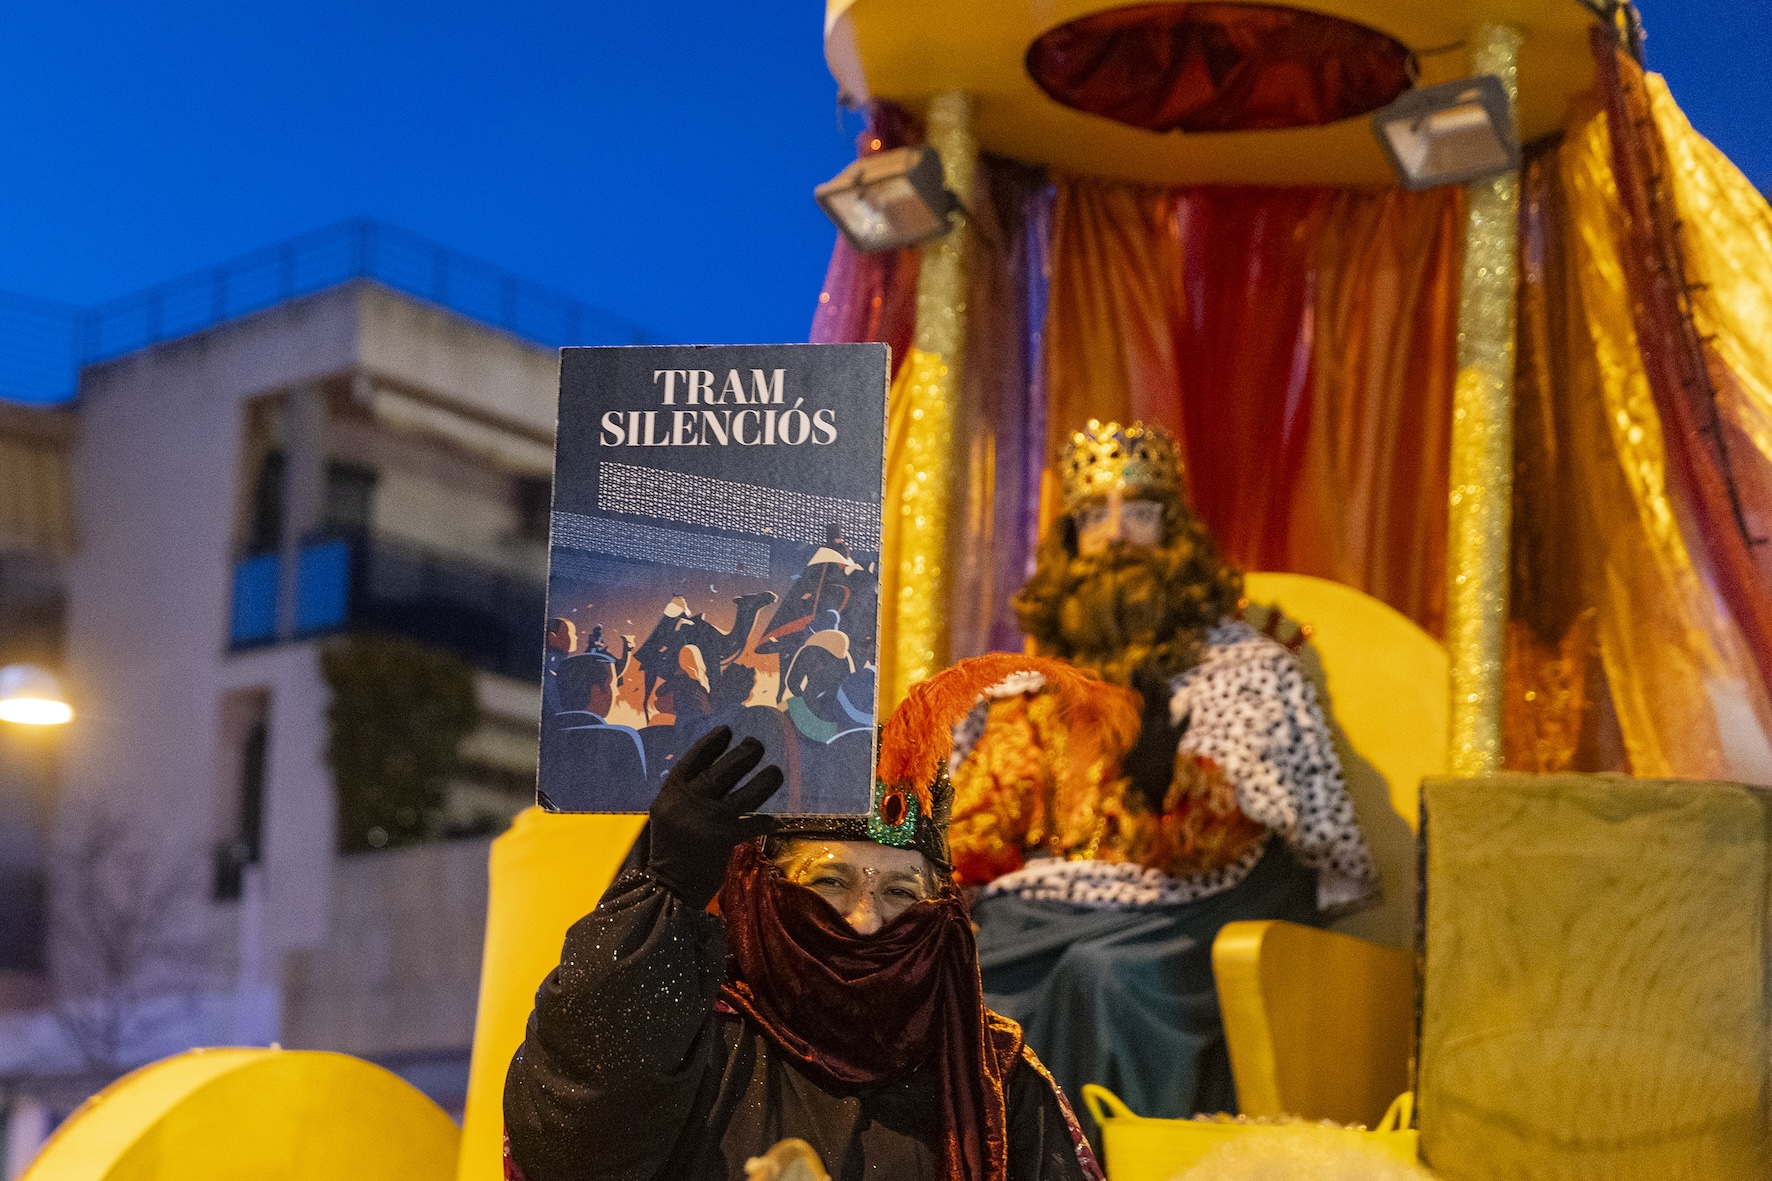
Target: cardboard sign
(713, 560)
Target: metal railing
(44, 345)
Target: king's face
(1104, 520)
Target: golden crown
(1103, 457)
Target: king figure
(1101, 881)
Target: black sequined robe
(630, 1071)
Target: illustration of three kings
(1094, 813)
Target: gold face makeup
(868, 884)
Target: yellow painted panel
(278, 1115)
(909, 50)
(1595, 1002)
(547, 872)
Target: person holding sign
(1102, 882)
(835, 997)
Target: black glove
(697, 818)
(1150, 764)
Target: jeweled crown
(1103, 457)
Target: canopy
(1302, 339)
(905, 51)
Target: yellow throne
(1320, 1023)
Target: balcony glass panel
(254, 616)
(489, 617)
(323, 587)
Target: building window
(264, 532)
(350, 492)
(248, 722)
(534, 502)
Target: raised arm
(621, 1035)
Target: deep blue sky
(654, 158)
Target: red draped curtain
(1300, 341)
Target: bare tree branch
(128, 956)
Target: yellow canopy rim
(907, 51)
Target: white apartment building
(349, 461)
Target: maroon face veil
(853, 1011)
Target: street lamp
(30, 696)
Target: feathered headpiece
(912, 795)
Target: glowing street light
(30, 696)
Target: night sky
(656, 159)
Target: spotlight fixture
(890, 199)
(30, 695)
(1449, 134)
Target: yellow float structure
(234, 1113)
(1603, 459)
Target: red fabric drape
(1300, 341)
(1246, 361)
(1219, 67)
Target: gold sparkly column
(1483, 443)
(921, 444)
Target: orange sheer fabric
(1679, 677)
(1300, 341)
(1550, 712)
(1569, 491)
(1704, 447)
(1386, 324)
(1115, 312)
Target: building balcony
(489, 617)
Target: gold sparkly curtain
(1597, 527)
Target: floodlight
(890, 199)
(1449, 134)
(30, 695)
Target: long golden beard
(1134, 614)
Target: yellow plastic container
(1140, 1149)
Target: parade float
(1462, 329)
